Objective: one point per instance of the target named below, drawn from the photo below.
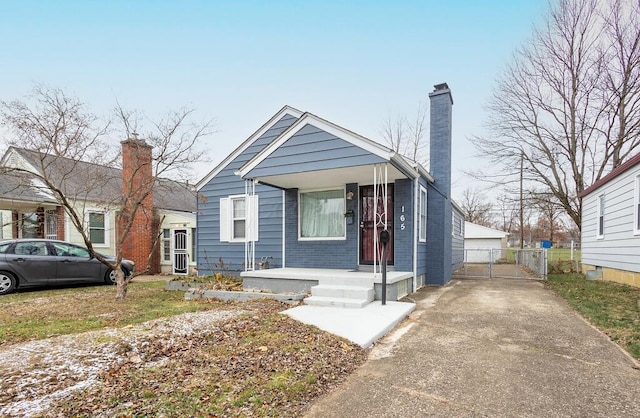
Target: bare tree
(65, 136)
(476, 209)
(562, 108)
(409, 137)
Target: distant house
(480, 242)
(166, 218)
(611, 225)
(310, 199)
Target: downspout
(284, 230)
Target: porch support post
(249, 239)
(380, 178)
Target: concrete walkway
(487, 348)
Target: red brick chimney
(137, 186)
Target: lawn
(613, 308)
(255, 363)
(36, 314)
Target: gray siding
(312, 149)
(403, 237)
(226, 183)
(620, 247)
(457, 239)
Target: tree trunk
(121, 285)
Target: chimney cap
(441, 86)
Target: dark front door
(369, 216)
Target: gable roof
(409, 167)
(72, 177)
(472, 230)
(286, 110)
(627, 165)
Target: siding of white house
(619, 247)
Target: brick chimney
(439, 193)
(137, 186)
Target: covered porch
(333, 284)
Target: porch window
(422, 216)
(239, 217)
(98, 228)
(636, 228)
(29, 225)
(601, 216)
(166, 245)
(322, 214)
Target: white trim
(419, 216)
(344, 201)
(248, 142)
(331, 128)
(636, 206)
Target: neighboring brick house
(166, 216)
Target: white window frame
(636, 205)
(106, 224)
(251, 218)
(344, 206)
(601, 212)
(166, 256)
(422, 217)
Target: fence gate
(504, 263)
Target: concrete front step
(354, 279)
(336, 302)
(343, 292)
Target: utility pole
(521, 203)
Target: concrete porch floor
(362, 326)
(317, 274)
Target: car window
(31, 248)
(4, 248)
(69, 250)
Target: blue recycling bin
(545, 243)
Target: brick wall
(137, 186)
(60, 222)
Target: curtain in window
(322, 214)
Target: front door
(180, 254)
(370, 215)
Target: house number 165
(402, 219)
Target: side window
(31, 248)
(4, 248)
(601, 216)
(68, 250)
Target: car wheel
(110, 277)
(7, 283)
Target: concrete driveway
(487, 348)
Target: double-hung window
(422, 215)
(97, 228)
(239, 218)
(601, 216)
(321, 215)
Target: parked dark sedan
(42, 262)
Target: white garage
(480, 241)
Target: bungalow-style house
(310, 200)
(166, 219)
(611, 225)
(480, 242)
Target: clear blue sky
(352, 62)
